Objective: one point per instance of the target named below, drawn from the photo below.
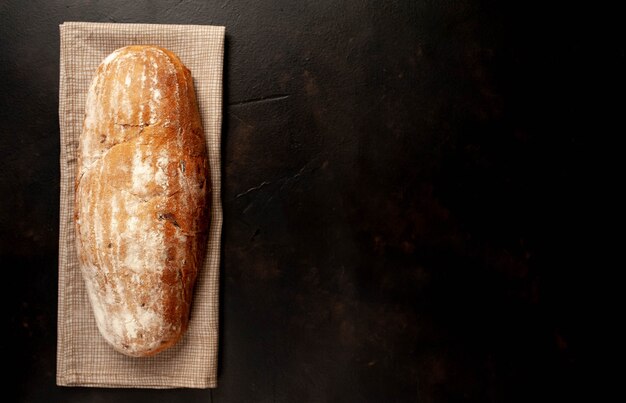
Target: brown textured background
(415, 198)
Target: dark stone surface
(412, 197)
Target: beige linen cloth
(83, 357)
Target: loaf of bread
(142, 195)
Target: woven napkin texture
(83, 357)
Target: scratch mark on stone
(241, 120)
(270, 98)
(248, 207)
(285, 181)
(252, 189)
(174, 6)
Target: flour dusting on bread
(141, 219)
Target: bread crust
(142, 198)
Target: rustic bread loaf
(142, 194)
